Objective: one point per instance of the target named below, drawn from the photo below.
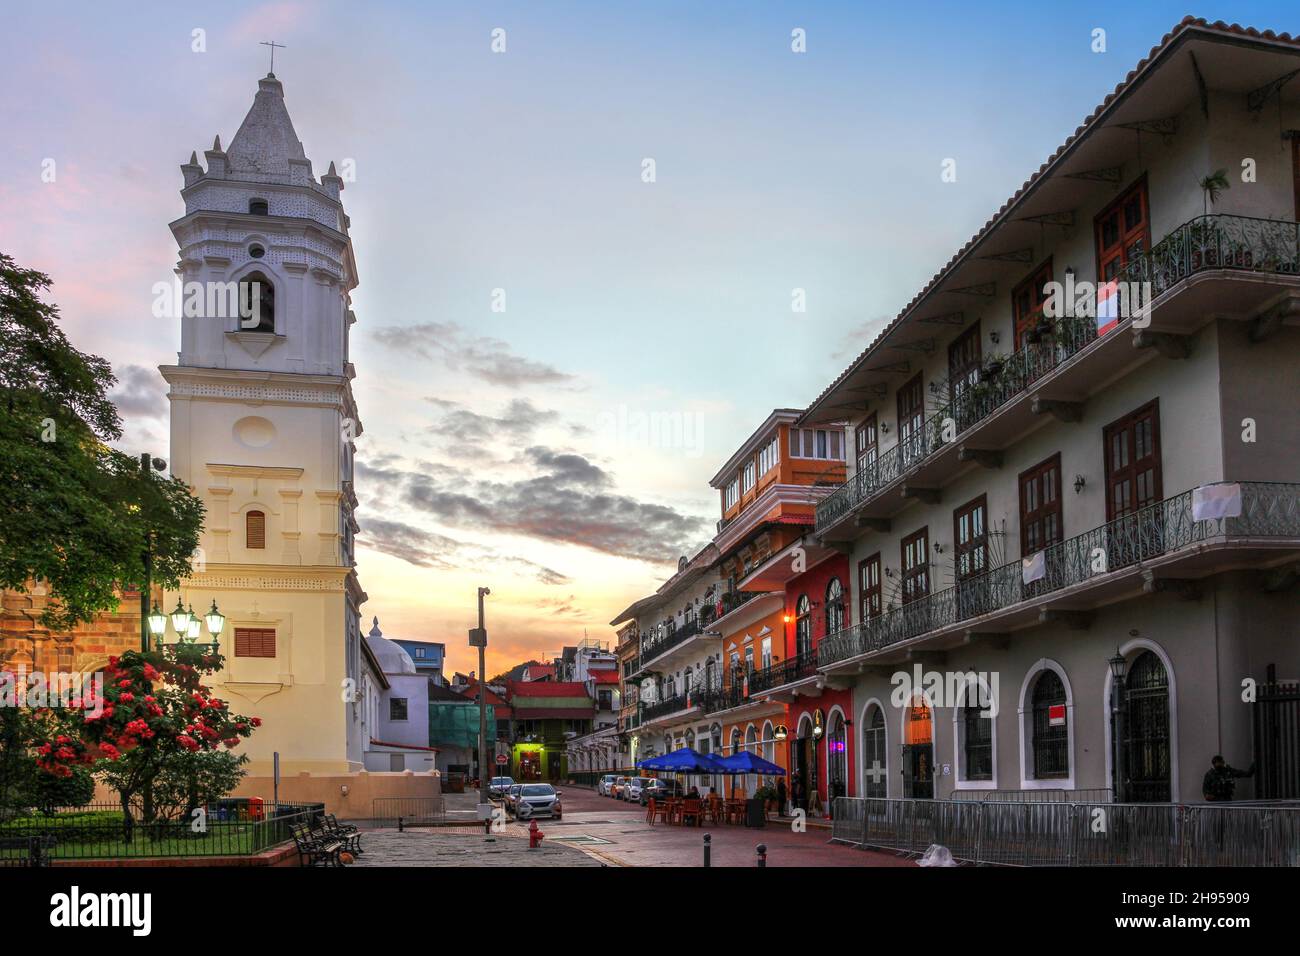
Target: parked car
(498, 786)
(605, 785)
(511, 795)
(660, 789)
(632, 792)
(537, 800)
(616, 788)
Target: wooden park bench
(316, 847)
(347, 832)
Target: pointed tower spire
(194, 157)
(266, 142)
(216, 144)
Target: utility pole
(478, 638)
(147, 462)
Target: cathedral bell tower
(262, 429)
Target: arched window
(1051, 732)
(708, 674)
(769, 742)
(715, 735)
(873, 755)
(977, 743)
(837, 758)
(255, 530)
(256, 303)
(803, 626)
(1146, 745)
(834, 607)
(259, 207)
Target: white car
(605, 785)
(498, 786)
(537, 800)
(635, 786)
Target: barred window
(834, 607)
(397, 708)
(978, 744)
(1051, 741)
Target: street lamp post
(478, 638)
(1117, 667)
(147, 619)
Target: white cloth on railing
(1216, 501)
(1034, 567)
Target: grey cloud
(485, 357)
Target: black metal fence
(1082, 833)
(1277, 738)
(102, 831)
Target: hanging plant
(1211, 186)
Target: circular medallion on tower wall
(254, 432)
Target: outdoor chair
(656, 809)
(316, 850)
(714, 811)
(691, 810)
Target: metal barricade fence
(410, 811)
(1053, 832)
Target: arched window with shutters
(803, 626)
(1051, 732)
(255, 530)
(834, 607)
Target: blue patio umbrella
(745, 762)
(684, 760)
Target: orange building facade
(769, 490)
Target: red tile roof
(605, 677)
(547, 688)
(1186, 25)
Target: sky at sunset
(558, 451)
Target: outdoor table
(674, 810)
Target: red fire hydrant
(535, 836)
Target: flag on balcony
(1034, 567)
(1108, 307)
(745, 686)
(1216, 501)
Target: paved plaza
(600, 831)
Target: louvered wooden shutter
(255, 642)
(255, 530)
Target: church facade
(263, 423)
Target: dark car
(660, 789)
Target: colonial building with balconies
(678, 667)
(770, 488)
(1074, 460)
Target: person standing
(780, 795)
(1220, 780)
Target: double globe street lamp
(188, 625)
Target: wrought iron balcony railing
(703, 696)
(1205, 243)
(1269, 510)
(783, 672)
(652, 647)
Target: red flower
(256, 721)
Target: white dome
(392, 659)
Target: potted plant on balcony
(1211, 186)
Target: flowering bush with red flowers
(156, 711)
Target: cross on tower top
(274, 46)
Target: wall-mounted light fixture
(995, 336)
(938, 548)
(884, 428)
(1079, 482)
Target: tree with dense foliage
(75, 514)
(156, 715)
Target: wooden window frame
(963, 373)
(866, 442)
(249, 531)
(1026, 517)
(1124, 423)
(866, 590)
(1025, 318)
(920, 572)
(913, 417)
(1120, 250)
(255, 642)
(981, 544)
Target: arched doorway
(918, 750)
(837, 759)
(803, 772)
(873, 757)
(1144, 738)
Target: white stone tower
(262, 422)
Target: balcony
(1056, 362)
(789, 671)
(1161, 538)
